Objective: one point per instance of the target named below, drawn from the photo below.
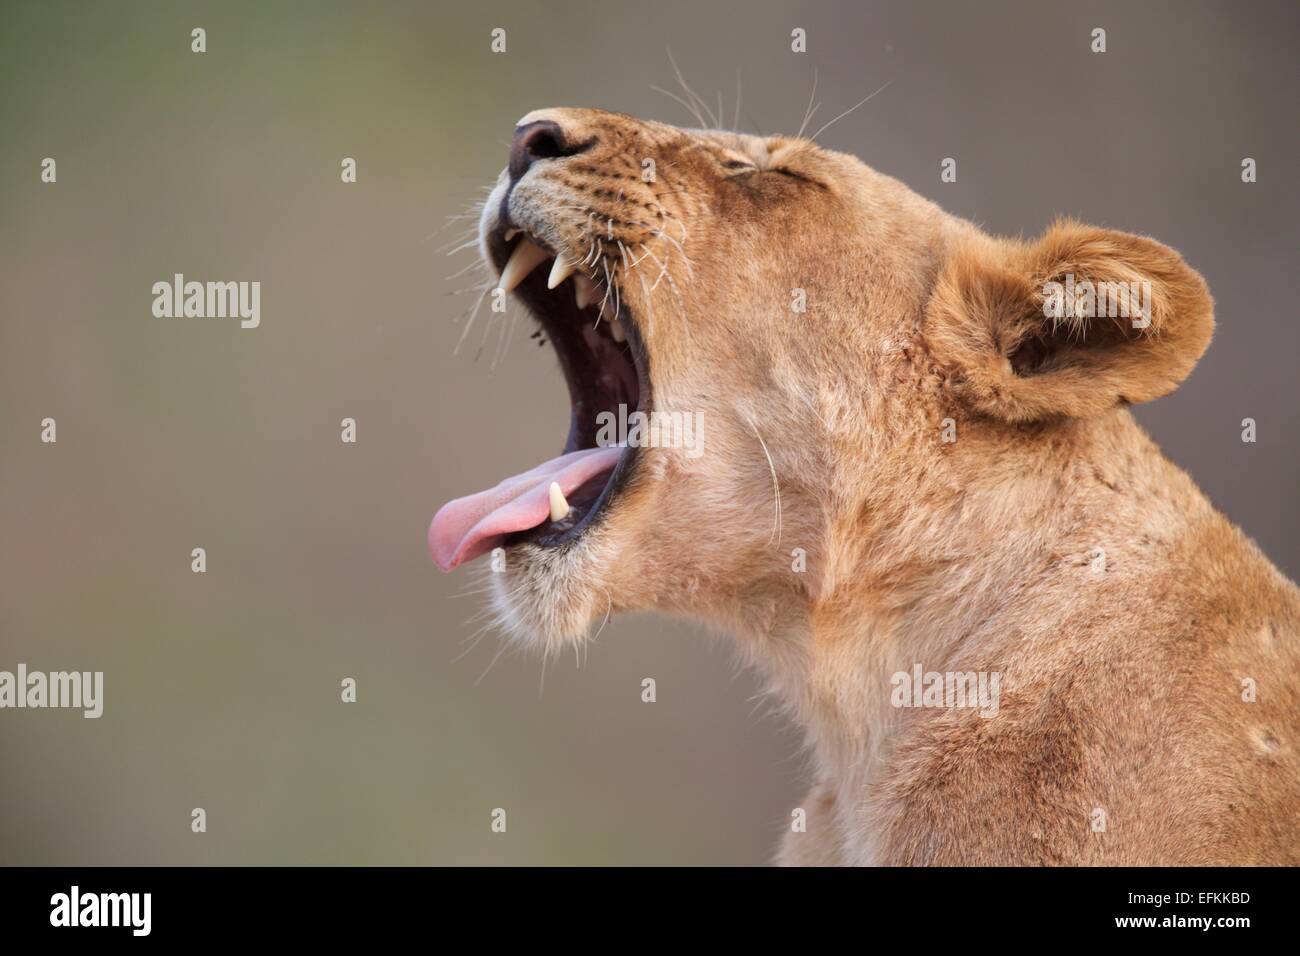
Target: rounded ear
(1068, 326)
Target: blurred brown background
(222, 689)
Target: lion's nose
(543, 139)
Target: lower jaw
(588, 505)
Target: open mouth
(604, 363)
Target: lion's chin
(548, 599)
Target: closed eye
(799, 176)
(742, 167)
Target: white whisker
(848, 111)
(473, 314)
(713, 120)
(808, 110)
(776, 486)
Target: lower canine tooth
(526, 257)
(559, 507)
(584, 291)
(616, 330)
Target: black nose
(541, 140)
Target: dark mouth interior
(601, 373)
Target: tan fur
(1122, 681)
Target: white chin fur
(549, 599)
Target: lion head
(800, 335)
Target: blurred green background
(222, 689)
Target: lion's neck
(938, 579)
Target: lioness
(916, 463)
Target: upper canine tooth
(584, 291)
(616, 330)
(511, 233)
(562, 269)
(559, 506)
(526, 257)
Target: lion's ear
(1069, 326)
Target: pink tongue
(467, 527)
